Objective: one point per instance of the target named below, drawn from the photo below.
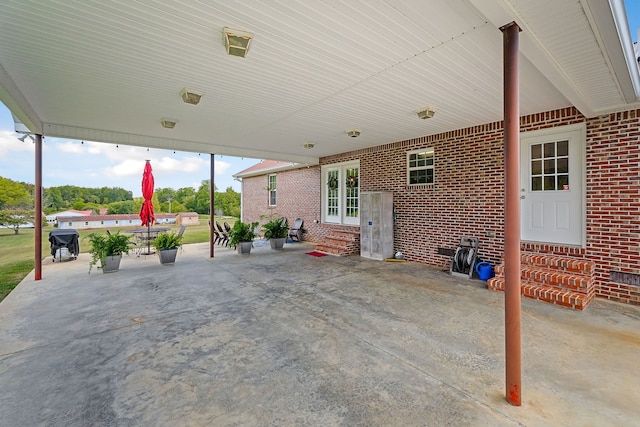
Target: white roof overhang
(109, 71)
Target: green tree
(166, 194)
(186, 196)
(124, 207)
(15, 218)
(78, 204)
(175, 207)
(228, 202)
(185, 193)
(202, 197)
(53, 200)
(13, 194)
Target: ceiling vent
(190, 96)
(168, 123)
(426, 113)
(236, 42)
(353, 133)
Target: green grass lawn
(17, 251)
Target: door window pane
(332, 193)
(549, 182)
(536, 151)
(563, 148)
(563, 165)
(549, 149)
(536, 183)
(352, 187)
(562, 181)
(536, 167)
(549, 166)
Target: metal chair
(223, 234)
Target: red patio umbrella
(146, 213)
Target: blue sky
(633, 16)
(94, 164)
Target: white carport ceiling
(110, 70)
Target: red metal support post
(211, 213)
(37, 222)
(513, 345)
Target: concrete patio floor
(284, 338)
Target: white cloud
(125, 168)
(133, 164)
(10, 144)
(221, 167)
(70, 147)
(185, 165)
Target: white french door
(341, 193)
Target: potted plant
(241, 236)
(276, 231)
(167, 245)
(107, 249)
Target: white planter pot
(277, 243)
(167, 256)
(244, 248)
(111, 263)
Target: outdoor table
(147, 235)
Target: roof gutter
(622, 26)
(286, 167)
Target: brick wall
(467, 198)
(297, 196)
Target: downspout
(513, 345)
(38, 209)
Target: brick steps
(563, 281)
(340, 243)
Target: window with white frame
(341, 193)
(272, 190)
(420, 166)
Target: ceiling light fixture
(168, 123)
(426, 113)
(190, 96)
(309, 145)
(236, 41)
(353, 133)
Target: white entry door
(552, 185)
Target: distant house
(52, 218)
(187, 218)
(106, 221)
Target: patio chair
(216, 234)
(223, 234)
(296, 231)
